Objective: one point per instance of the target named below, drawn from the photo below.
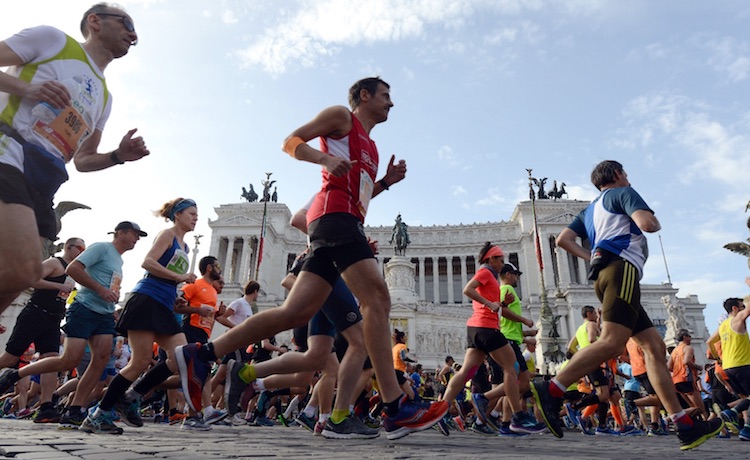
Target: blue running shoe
(606, 431)
(482, 408)
(574, 415)
(745, 433)
(730, 418)
(525, 423)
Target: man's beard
(215, 275)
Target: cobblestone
(24, 439)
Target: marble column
(421, 278)
(464, 279)
(435, 281)
(449, 268)
(228, 260)
(244, 260)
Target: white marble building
(430, 306)
(432, 309)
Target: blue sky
(482, 91)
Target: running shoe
(630, 430)
(47, 414)
(194, 423)
(216, 416)
(319, 427)
(656, 432)
(413, 416)
(573, 415)
(606, 431)
(237, 419)
(101, 424)
(371, 421)
(506, 432)
(282, 420)
(193, 373)
(745, 433)
(730, 419)
(130, 411)
(482, 408)
(24, 413)
(234, 386)
(349, 428)
(725, 435)
(442, 427)
(549, 407)
(71, 421)
(176, 418)
(483, 429)
(525, 423)
(699, 433)
(264, 421)
(306, 422)
(459, 423)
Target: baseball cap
(127, 225)
(510, 268)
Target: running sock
(392, 408)
(495, 413)
(339, 415)
(259, 385)
(117, 387)
(206, 352)
(478, 422)
(208, 410)
(682, 420)
(309, 411)
(247, 373)
(323, 417)
(556, 389)
(155, 376)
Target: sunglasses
(126, 21)
(78, 246)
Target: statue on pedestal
(400, 237)
(249, 195)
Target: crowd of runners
(347, 374)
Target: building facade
(431, 306)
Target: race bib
(66, 131)
(114, 285)
(179, 262)
(366, 187)
(206, 322)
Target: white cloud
(729, 56)
(445, 153)
(458, 190)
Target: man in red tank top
(339, 247)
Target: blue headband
(181, 206)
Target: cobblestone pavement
(23, 439)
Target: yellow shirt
(735, 347)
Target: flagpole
(266, 197)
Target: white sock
(208, 410)
(495, 413)
(291, 407)
(309, 411)
(259, 385)
(323, 417)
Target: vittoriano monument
(400, 237)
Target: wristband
(115, 159)
(383, 184)
(290, 146)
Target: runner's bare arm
(646, 221)
(131, 148)
(567, 239)
(332, 122)
(50, 91)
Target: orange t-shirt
(399, 363)
(637, 361)
(197, 294)
(489, 288)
